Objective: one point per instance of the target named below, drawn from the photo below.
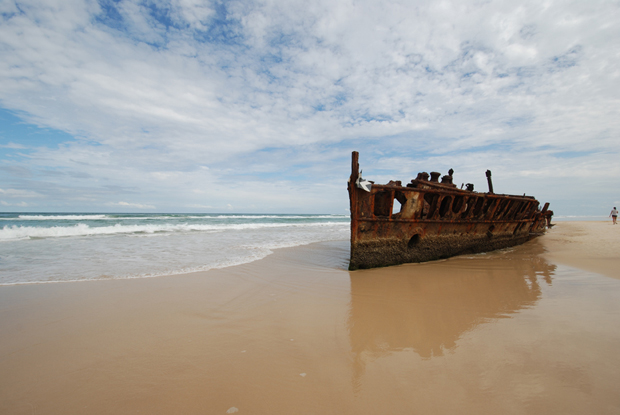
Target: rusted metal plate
(426, 220)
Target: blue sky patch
(110, 16)
(14, 130)
(223, 29)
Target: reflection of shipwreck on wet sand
(435, 220)
(426, 308)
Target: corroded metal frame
(436, 220)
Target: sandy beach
(586, 245)
(527, 330)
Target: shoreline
(180, 273)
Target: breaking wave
(58, 217)
(15, 232)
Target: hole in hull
(490, 231)
(414, 241)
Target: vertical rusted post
(489, 181)
(353, 202)
(355, 167)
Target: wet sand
(516, 331)
(591, 246)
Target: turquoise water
(57, 247)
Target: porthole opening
(414, 241)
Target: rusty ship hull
(435, 220)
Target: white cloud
(13, 146)
(196, 206)
(194, 99)
(19, 193)
(132, 205)
(17, 204)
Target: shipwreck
(427, 219)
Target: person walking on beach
(614, 214)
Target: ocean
(63, 247)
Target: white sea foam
(24, 232)
(63, 248)
(59, 217)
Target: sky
(255, 106)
